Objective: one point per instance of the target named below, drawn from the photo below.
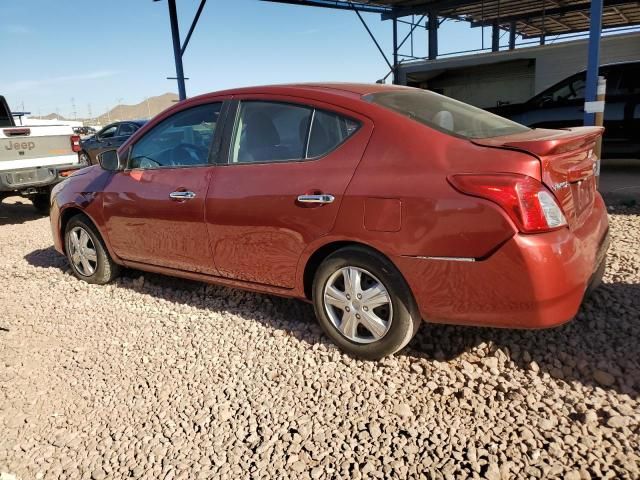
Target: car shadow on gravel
(16, 212)
(599, 347)
(603, 338)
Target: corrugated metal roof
(532, 18)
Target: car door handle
(181, 195)
(322, 198)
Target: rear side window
(127, 129)
(445, 114)
(270, 132)
(279, 132)
(629, 82)
(328, 130)
(5, 115)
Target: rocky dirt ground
(159, 378)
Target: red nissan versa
(381, 205)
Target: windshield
(446, 114)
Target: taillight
(75, 143)
(530, 205)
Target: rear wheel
(89, 258)
(84, 158)
(363, 303)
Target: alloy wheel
(358, 305)
(82, 251)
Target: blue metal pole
(595, 29)
(177, 50)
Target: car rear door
(288, 164)
(154, 210)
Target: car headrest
(261, 132)
(444, 119)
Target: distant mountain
(145, 109)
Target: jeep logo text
(20, 146)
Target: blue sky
(53, 51)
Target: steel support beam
(336, 5)
(512, 35)
(373, 37)
(395, 51)
(533, 15)
(192, 28)
(593, 64)
(495, 37)
(177, 51)
(433, 35)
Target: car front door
(154, 210)
(289, 162)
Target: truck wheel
(41, 203)
(87, 254)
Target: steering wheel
(189, 154)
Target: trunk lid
(569, 166)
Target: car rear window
(445, 114)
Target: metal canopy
(529, 18)
(532, 18)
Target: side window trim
(307, 139)
(217, 143)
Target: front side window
(179, 141)
(280, 132)
(445, 114)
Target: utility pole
(119, 104)
(148, 107)
(73, 107)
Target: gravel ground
(160, 378)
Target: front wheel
(87, 254)
(363, 303)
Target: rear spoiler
(542, 142)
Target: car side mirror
(110, 160)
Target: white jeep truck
(34, 158)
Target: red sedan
(381, 205)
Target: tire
(41, 203)
(99, 267)
(85, 158)
(399, 316)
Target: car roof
(353, 90)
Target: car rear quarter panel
(404, 174)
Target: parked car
(382, 205)
(33, 158)
(111, 136)
(83, 131)
(562, 105)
